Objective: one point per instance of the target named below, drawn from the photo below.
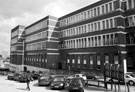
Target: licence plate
(56, 86)
(75, 88)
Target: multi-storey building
(41, 44)
(83, 40)
(129, 15)
(16, 48)
(96, 34)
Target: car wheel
(82, 90)
(131, 83)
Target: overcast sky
(25, 12)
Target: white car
(130, 78)
(80, 76)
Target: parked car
(17, 76)
(10, 76)
(91, 76)
(23, 78)
(35, 76)
(76, 84)
(58, 82)
(45, 80)
(130, 78)
(81, 76)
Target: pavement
(13, 86)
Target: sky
(26, 12)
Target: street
(13, 86)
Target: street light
(23, 57)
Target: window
(103, 24)
(95, 25)
(110, 7)
(95, 41)
(106, 6)
(106, 58)
(91, 61)
(73, 61)
(115, 5)
(126, 22)
(111, 23)
(116, 39)
(99, 40)
(131, 21)
(92, 28)
(78, 62)
(103, 10)
(116, 61)
(111, 39)
(84, 62)
(88, 14)
(43, 45)
(129, 4)
(98, 26)
(89, 28)
(98, 62)
(104, 40)
(92, 13)
(115, 22)
(95, 14)
(107, 24)
(98, 11)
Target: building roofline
(17, 27)
(85, 8)
(47, 17)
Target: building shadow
(21, 88)
(36, 85)
(95, 89)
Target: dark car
(10, 76)
(23, 78)
(76, 84)
(17, 76)
(35, 76)
(45, 80)
(58, 82)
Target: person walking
(28, 79)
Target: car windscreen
(132, 75)
(76, 81)
(58, 79)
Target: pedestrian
(28, 79)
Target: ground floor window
(91, 61)
(106, 58)
(116, 60)
(98, 62)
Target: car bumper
(75, 89)
(43, 83)
(57, 87)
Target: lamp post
(23, 57)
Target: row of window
(91, 27)
(90, 61)
(96, 11)
(36, 46)
(130, 21)
(15, 33)
(130, 38)
(36, 36)
(37, 27)
(15, 40)
(13, 48)
(128, 4)
(36, 62)
(92, 41)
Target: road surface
(13, 86)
